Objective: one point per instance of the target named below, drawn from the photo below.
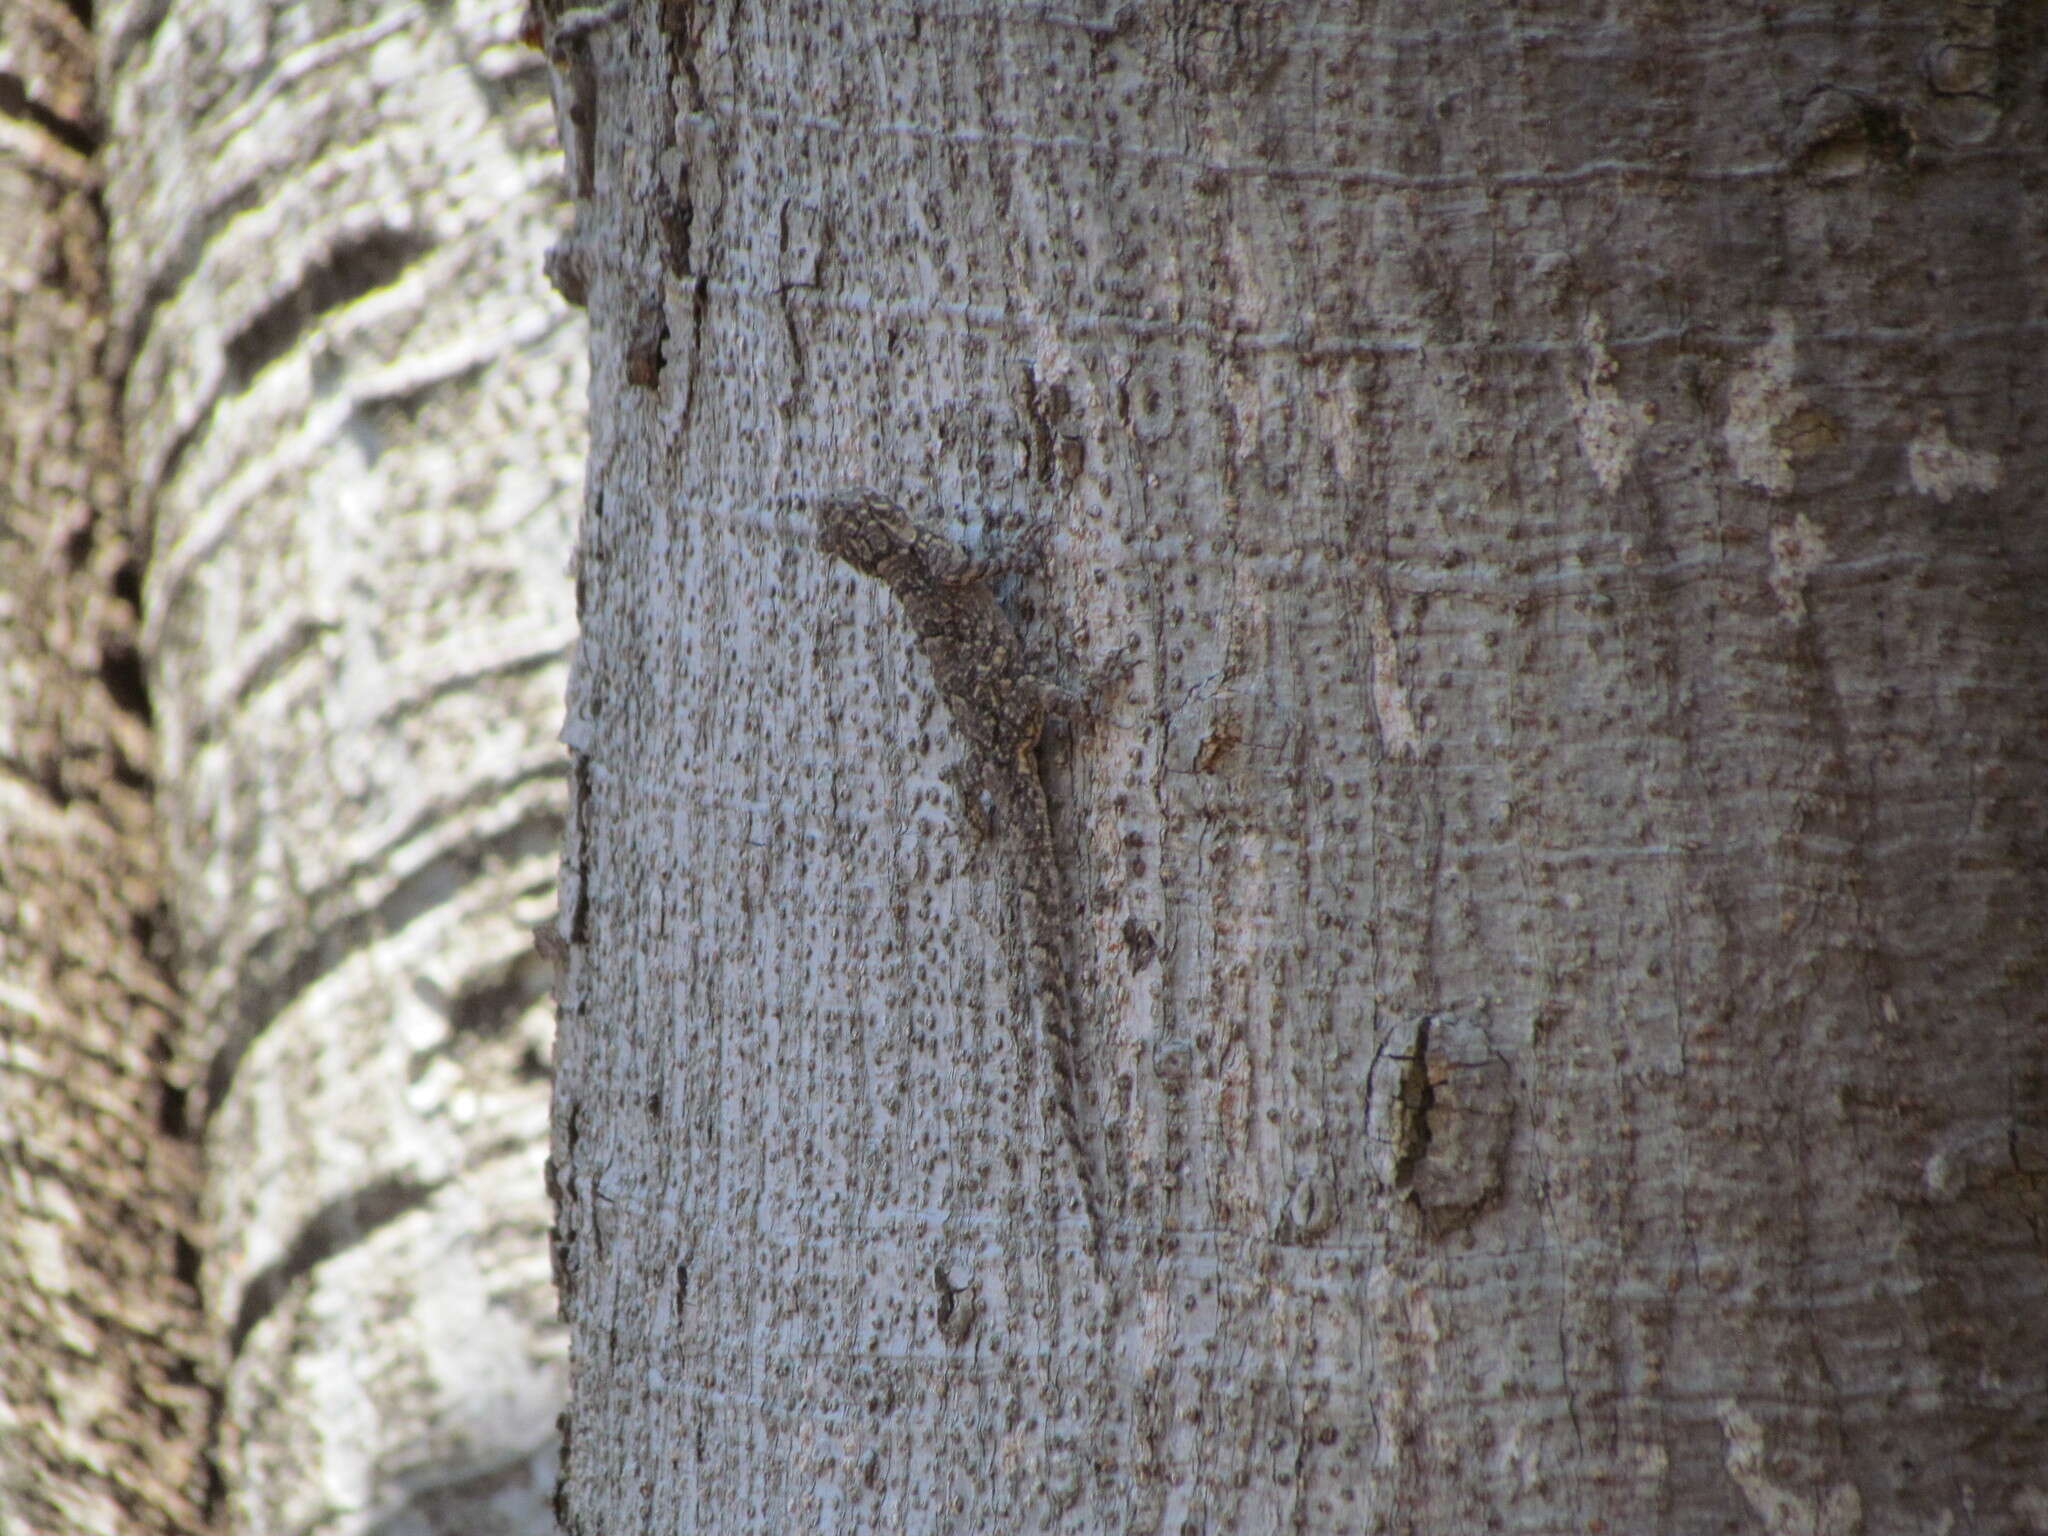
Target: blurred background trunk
(354, 440)
(104, 1412)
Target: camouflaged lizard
(1000, 706)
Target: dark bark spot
(350, 271)
(334, 1228)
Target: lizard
(1000, 706)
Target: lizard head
(862, 527)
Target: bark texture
(355, 412)
(1557, 910)
(103, 1408)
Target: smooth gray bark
(1557, 909)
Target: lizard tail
(1065, 1076)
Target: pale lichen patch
(1389, 697)
(1940, 467)
(1763, 405)
(1782, 1509)
(1610, 428)
(1797, 549)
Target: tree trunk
(355, 414)
(1554, 910)
(103, 1406)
